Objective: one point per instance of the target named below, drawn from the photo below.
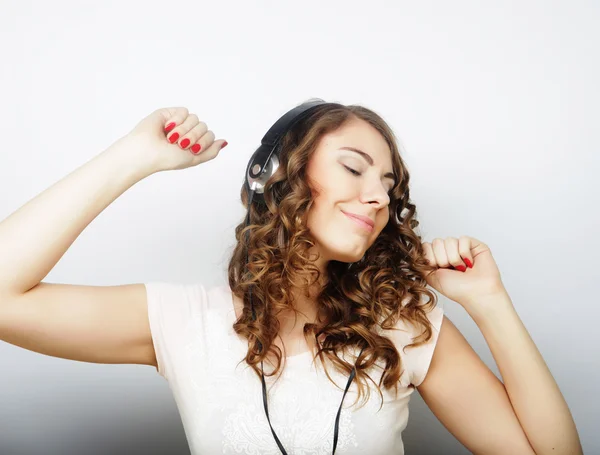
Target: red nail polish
(224, 145)
(169, 127)
(173, 137)
(462, 268)
(183, 144)
(196, 148)
(468, 263)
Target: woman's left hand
(468, 286)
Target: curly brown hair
(357, 299)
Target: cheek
(317, 212)
(324, 218)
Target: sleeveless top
(219, 397)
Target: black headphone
(262, 165)
(265, 160)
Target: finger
(428, 253)
(464, 248)
(173, 116)
(212, 149)
(205, 142)
(439, 250)
(193, 136)
(180, 130)
(451, 246)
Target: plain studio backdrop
(495, 105)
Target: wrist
(488, 308)
(130, 157)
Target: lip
(363, 221)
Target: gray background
(496, 105)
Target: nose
(376, 194)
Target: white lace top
(221, 404)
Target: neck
(292, 323)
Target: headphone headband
(265, 160)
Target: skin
(362, 189)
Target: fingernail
(169, 127)
(173, 137)
(462, 268)
(468, 263)
(183, 144)
(196, 148)
(224, 145)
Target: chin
(348, 255)
(343, 247)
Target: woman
(337, 277)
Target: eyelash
(352, 171)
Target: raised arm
(104, 324)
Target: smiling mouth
(366, 226)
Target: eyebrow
(369, 160)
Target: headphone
(265, 160)
(262, 165)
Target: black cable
(264, 386)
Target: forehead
(358, 134)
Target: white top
(221, 403)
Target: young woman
(330, 282)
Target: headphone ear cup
(258, 184)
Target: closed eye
(352, 171)
(356, 173)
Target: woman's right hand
(171, 138)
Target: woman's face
(349, 183)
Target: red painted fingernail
(224, 145)
(169, 127)
(173, 137)
(183, 144)
(196, 148)
(468, 263)
(462, 268)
